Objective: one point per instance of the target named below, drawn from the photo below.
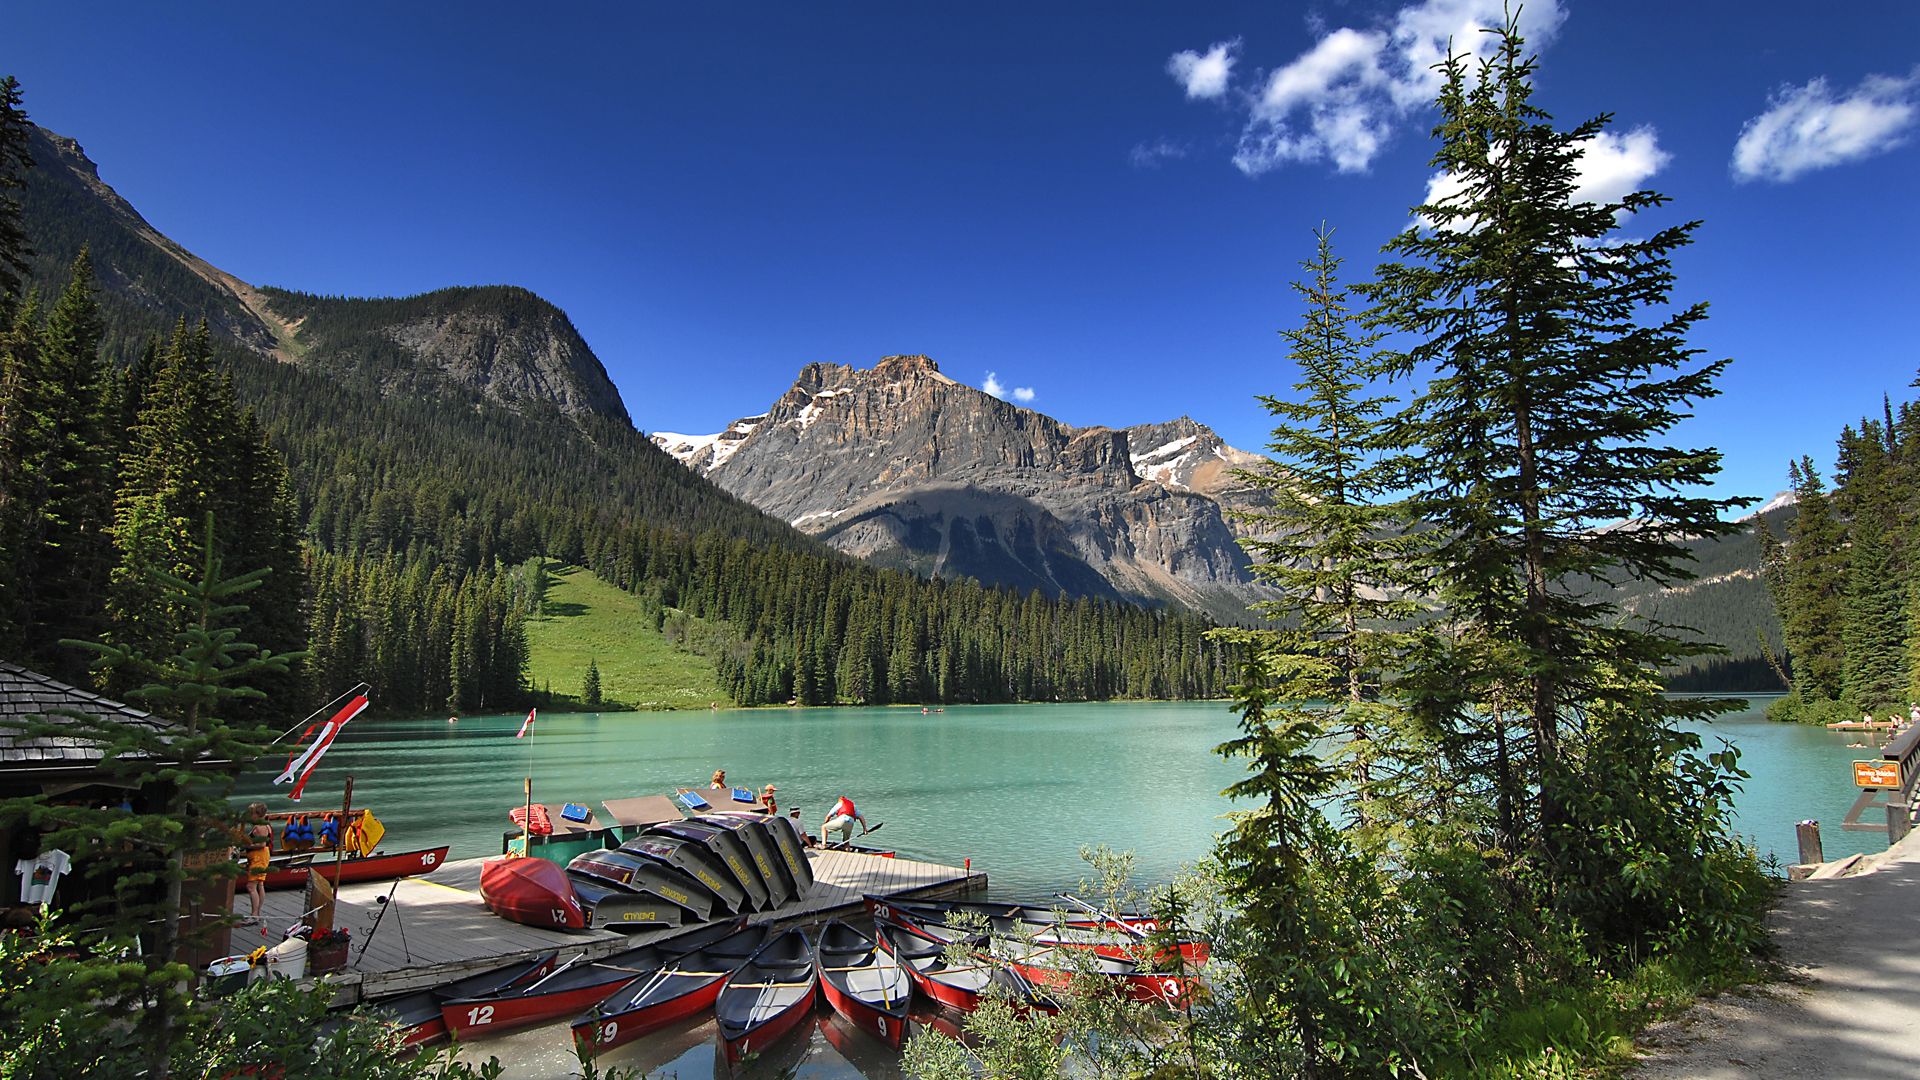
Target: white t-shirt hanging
(40, 876)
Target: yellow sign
(1876, 774)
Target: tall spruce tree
(590, 685)
(72, 553)
(1556, 369)
(1336, 547)
(15, 160)
(1813, 578)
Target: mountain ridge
(902, 465)
(520, 354)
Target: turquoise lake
(1016, 788)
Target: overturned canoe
(531, 891)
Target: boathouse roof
(28, 695)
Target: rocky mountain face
(505, 345)
(901, 465)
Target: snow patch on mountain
(1785, 498)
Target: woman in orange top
(259, 836)
(719, 781)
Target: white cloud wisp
(1341, 100)
(993, 386)
(1809, 127)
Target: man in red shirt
(841, 818)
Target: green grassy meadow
(585, 618)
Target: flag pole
(356, 689)
(340, 836)
(526, 819)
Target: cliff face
(497, 342)
(904, 466)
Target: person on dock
(840, 819)
(766, 796)
(806, 838)
(719, 781)
(259, 837)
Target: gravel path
(1851, 1006)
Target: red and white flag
(300, 766)
(527, 724)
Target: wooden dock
(436, 929)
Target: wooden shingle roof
(28, 695)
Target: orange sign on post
(1876, 774)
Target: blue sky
(1087, 199)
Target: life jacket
(329, 834)
(843, 808)
(298, 831)
(541, 825)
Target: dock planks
(438, 929)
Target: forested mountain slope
(439, 440)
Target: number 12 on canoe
(480, 1014)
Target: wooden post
(340, 835)
(1897, 821)
(1810, 850)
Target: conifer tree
(1874, 622)
(1557, 368)
(74, 491)
(1813, 574)
(15, 159)
(590, 686)
(1337, 548)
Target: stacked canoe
(684, 873)
(672, 875)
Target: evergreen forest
(1845, 575)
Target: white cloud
(994, 386)
(1205, 76)
(1807, 127)
(1341, 100)
(1616, 164)
(1150, 155)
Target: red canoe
(863, 982)
(376, 867)
(958, 988)
(768, 996)
(684, 988)
(1119, 938)
(532, 891)
(570, 988)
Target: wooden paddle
(1138, 934)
